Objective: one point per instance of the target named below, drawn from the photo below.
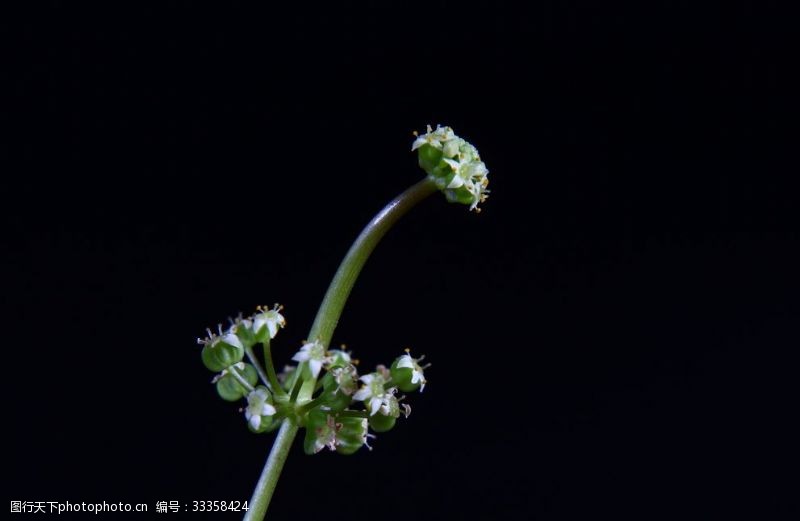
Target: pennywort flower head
(454, 165)
(259, 408)
(314, 354)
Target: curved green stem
(331, 308)
(327, 317)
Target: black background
(612, 338)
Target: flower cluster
(224, 352)
(324, 393)
(454, 165)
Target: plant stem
(331, 308)
(260, 370)
(272, 470)
(324, 324)
(273, 378)
(244, 383)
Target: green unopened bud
(381, 423)
(320, 432)
(230, 388)
(454, 165)
(429, 158)
(351, 435)
(221, 351)
(332, 398)
(243, 327)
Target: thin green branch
(260, 370)
(235, 372)
(273, 378)
(332, 305)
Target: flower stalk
(325, 323)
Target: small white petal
(255, 421)
(258, 322)
(267, 410)
(374, 405)
(362, 394)
(457, 182)
(301, 356)
(367, 378)
(450, 149)
(455, 165)
(315, 366)
(273, 328)
(406, 361)
(233, 340)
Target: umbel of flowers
(454, 165)
(324, 393)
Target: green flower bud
(381, 423)
(243, 327)
(320, 432)
(221, 351)
(335, 400)
(344, 434)
(351, 435)
(429, 158)
(228, 386)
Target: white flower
(345, 378)
(314, 354)
(439, 139)
(471, 175)
(373, 394)
(270, 318)
(258, 406)
(226, 337)
(339, 357)
(417, 374)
